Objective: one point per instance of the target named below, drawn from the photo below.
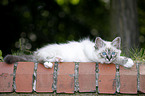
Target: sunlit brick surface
(142, 78)
(107, 81)
(128, 80)
(24, 76)
(70, 77)
(87, 77)
(44, 79)
(6, 77)
(65, 79)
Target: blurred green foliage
(39, 22)
(1, 57)
(141, 21)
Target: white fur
(70, 52)
(129, 63)
(82, 51)
(48, 65)
(108, 45)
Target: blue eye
(104, 53)
(113, 53)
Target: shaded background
(31, 24)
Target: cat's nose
(109, 57)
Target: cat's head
(108, 51)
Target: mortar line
(76, 76)
(54, 85)
(117, 76)
(14, 76)
(97, 70)
(138, 75)
(97, 76)
(34, 76)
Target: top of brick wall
(72, 77)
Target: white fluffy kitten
(83, 51)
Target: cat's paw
(58, 59)
(48, 64)
(129, 63)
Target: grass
(137, 54)
(21, 51)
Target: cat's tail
(10, 59)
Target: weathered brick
(107, 80)
(142, 78)
(87, 77)
(6, 77)
(128, 80)
(65, 79)
(44, 79)
(24, 76)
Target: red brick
(44, 79)
(6, 77)
(142, 78)
(106, 80)
(87, 77)
(65, 79)
(24, 76)
(128, 80)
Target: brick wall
(28, 77)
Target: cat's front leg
(54, 59)
(49, 64)
(58, 59)
(126, 62)
(129, 63)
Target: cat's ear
(99, 43)
(116, 42)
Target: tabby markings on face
(109, 55)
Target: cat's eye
(104, 53)
(113, 53)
